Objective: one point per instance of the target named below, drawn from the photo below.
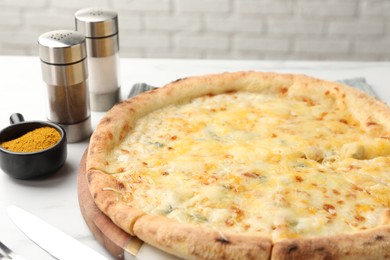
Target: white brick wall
(228, 29)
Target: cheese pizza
(248, 165)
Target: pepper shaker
(100, 27)
(64, 70)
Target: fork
(9, 254)
(3, 257)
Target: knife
(50, 239)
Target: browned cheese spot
(329, 208)
(121, 186)
(251, 174)
(283, 91)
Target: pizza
(248, 165)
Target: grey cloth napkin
(359, 83)
(138, 88)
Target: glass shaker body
(64, 70)
(100, 26)
(67, 92)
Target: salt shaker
(100, 26)
(64, 70)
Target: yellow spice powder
(36, 140)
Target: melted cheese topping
(246, 162)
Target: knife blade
(49, 238)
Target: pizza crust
(372, 244)
(366, 109)
(189, 241)
(104, 190)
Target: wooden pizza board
(114, 239)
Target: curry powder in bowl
(30, 150)
(36, 140)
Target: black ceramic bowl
(31, 165)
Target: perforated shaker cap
(62, 47)
(96, 22)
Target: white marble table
(54, 199)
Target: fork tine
(9, 254)
(6, 250)
(3, 257)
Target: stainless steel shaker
(100, 26)
(64, 70)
